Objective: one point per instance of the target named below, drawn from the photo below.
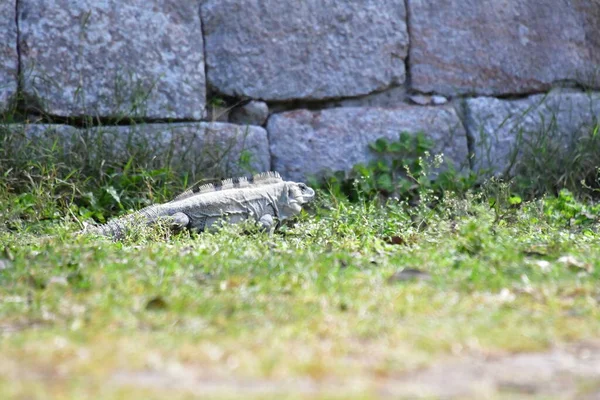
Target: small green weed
(403, 169)
(547, 164)
(566, 210)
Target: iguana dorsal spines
(206, 188)
(243, 182)
(263, 178)
(266, 178)
(226, 184)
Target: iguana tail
(118, 227)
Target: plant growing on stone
(548, 165)
(404, 168)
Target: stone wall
(323, 78)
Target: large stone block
(43, 136)
(496, 47)
(113, 58)
(314, 49)
(9, 58)
(202, 149)
(311, 142)
(503, 131)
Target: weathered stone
(495, 47)
(287, 49)
(503, 131)
(252, 113)
(9, 58)
(42, 136)
(438, 100)
(312, 142)
(112, 58)
(425, 100)
(420, 99)
(201, 148)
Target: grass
(346, 302)
(312, 311)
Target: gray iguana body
(267, 199)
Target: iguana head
(297, 195)
(302, 193)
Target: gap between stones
(94, 122)
(18, 47)
(408, 78)
(460, 107)
(204, 53)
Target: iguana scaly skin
(266, 198)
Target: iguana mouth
(308, 194)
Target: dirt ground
(564, 372)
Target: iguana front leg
(178, 220)
(267, 222)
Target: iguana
(266, 198)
